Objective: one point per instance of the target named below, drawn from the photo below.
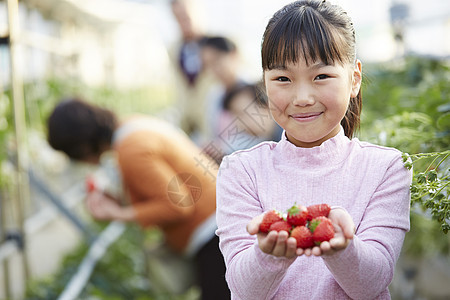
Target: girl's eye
(322, 76)
(282, 79)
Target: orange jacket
(170, 182)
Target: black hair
(256, 90)
(80, 129)
(219, 43)
(313, 30)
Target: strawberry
(297, 215)
(269, 218)
(303, 236)
(90, 184)
(318, 210)
(322, 229)
(281, 225)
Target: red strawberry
(280, 225)
(297, 215)
(303, 236)
(269, 218)
(90, 184)
(318, 210)
(322, 229)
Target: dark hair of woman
(80, 129)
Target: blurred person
(191, 80)
(220, 56)
(247, 112)
(163, 182)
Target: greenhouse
(151, 96)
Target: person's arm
(147, 176)
(366, 266)
(251, 273)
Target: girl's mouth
(306, 117)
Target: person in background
(165, 185)
(191, 80)
(220, 56)
(249, 104)
(313, 79)
(246, 113)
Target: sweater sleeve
(147, 176)
(378, 240)
(251, 274)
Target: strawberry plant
(406, 107)
(431, 186)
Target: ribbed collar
(330, 152)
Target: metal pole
(62, 208)
(96, 251)
(4, 263)
(19, 123)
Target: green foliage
(414, 84)
(41, 97)
(425, 238)
(431, 188)
(6, 134)
(120, 274)
(406, 107)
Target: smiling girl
(313, 81)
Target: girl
(313, 83)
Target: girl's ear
(356, 78)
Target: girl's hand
(275, 243)
(344, 230)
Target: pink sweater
(369, 181)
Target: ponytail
(352, 117)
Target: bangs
(300, 34)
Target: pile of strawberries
(310, 225)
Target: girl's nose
(303, 97)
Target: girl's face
(309, 102)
